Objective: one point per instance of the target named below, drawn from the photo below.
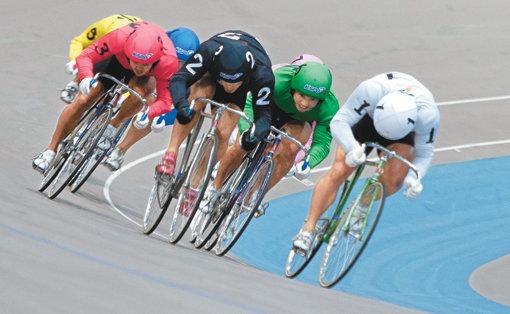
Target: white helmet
(395, 115)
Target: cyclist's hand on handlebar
(412, 187)
(85, 85)
(158, 124)
(185, 115)
(141, 120)
(70, 67)
(301, 173)
(356, 156)
(247, 142)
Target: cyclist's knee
(392, 184)
(339, 171)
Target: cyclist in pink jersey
(139, 53)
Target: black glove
(185, 115)
(247, 142)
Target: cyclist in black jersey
(224, 68)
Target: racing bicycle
(346, 234)
(78, 155)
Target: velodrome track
(77, 254)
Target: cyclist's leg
(395, 171)
(133, 135)
(230, 161)
(71, 115)
(286, 152)
(204, 88)
(225, 126)
(326, 189)
(142, 85)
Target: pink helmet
(305, 58)
(143, 46)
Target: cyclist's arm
(262, 94)
(424, 139)
(321, 142)
(163, 103)
(193, 69)
(362, 101)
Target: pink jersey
(112, 44)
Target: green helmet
(312, 79)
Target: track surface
(76, 254)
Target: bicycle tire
(205, 155)
(338, 258)
(234, 224)
(94, 160)
(210, 221)
(82, 150)
(162, 192)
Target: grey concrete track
(75, 254)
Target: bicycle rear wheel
(87, 139)
(245, 207)
(193, 188)
(344, 247)
(210, 221)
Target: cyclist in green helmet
(302, 95)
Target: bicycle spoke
(347, 242)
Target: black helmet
(233, 62)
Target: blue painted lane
(423, 251)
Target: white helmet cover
(395, 115)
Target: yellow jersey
(98, 30)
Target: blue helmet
(185, 42)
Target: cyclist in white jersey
(393, 109)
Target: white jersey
(366, 96)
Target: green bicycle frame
(336, 217)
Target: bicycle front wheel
(245, 207)
(86, 140)
(346, 244)
(193, 188)
(156, 206)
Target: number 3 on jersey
(190, 67)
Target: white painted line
(111, 178)
(459, 147)
(466, 101)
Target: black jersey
(260, 82)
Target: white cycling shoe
(43, 160)
(105, 142)
(303, 240)
(115, 160)
(69, 92)
(207, 202)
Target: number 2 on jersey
(190, 67)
